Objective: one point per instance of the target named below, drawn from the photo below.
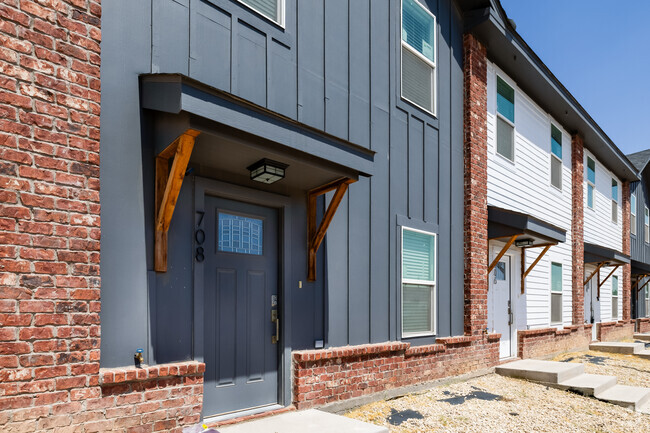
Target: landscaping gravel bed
(494, 403)
(629, 369)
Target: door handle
(275, 319)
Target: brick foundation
(546, 342)
(615, 331)
(643, 325)
(322, 377)
(577, 231)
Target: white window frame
(433, 284)
(281, 7)
(592, 184)
(633, 214)
(434, 69)
(617, 297)
(646, 224)
(557, 158)
(505, 119)
(560, 293)
(615, 202)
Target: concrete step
(618, 347)
(643, 337)
(588, 384)
(644, 409)
(312, 420)
(548, 372)
(645, 354)
(631, 397)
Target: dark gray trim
(417, 224)
(503, 222)
(203, 186)
(175, 93)
(639, 268)
(597, 254)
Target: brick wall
(541, 343)
(643, 325)
(327, 376)
(577, 230)
(475, 184)
(615, 331)
(627, 269)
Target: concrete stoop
(642, 337)
(571, 376)
(310, 420)
(618, 347)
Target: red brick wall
(475, 184)
(643, 325)
(615, 331)
(577, 230)
(327, 376)
(627, 274)
(536, 343)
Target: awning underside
(640, 268)
(597, 254)
(503, 223)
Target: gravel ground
(493, 403)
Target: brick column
(577, 229)
(475, 183)
(627, 269)
(49, 213)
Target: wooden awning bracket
(168, 186)
(639, 278)
(316, 235)
(600, 283)
(524, 274)
(600, 265)
(642, 286)
(505, 248)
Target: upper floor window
(418, 55)
(646, 224)
(271, 9)
(647, 301)
(614, 201)
(418, 282)
(556, 157)
(633, 213)
(505, 119)
(591, 182)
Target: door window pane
(239, 234)
(500, 271)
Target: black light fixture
(524, 242)
(267, 171)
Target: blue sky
(600, 51)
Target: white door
(501, 319)
(592, 307)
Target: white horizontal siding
(603, 307)
(525, 186)
(599, 228)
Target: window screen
(272, 9)
(556, 293)
(417, 80)
(416, 309)
(418, 282)
(556, 172)
(505, 139)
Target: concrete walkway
(637, 349)
(571, 376)
(306, 421)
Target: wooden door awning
(600, 283)
(524, 273)
(168, 186)
(316, 235)
(639, 278)
(505, 248)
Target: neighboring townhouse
(555, 221)
(640, 242)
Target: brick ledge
(113, 376)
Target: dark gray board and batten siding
(334, 67)
(639, 249)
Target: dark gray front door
(241, 287)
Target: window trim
(633, 214)
(592, 184)
(553, 155)
(281, 6)
(560, 293)
(433, 284)
(432, 64)
(505, 119)
(614, 202)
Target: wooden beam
(502, 252)
(530, 268)
(168, 186)
(600, 265)
(316, 236)
(600, 283)
(641, 288)
(639, 278)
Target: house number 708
(199, 237)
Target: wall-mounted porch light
(523, 242)
(267, 171)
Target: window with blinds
(505, 119)
(647, 301)
(633, 214)
(271, 9)
(614, 297)
(418, 282)
(591, 182)
(614, 201)
(646, 224)
(418, 55)
(556, 157)
(556, 293)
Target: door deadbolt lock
(275, 319)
